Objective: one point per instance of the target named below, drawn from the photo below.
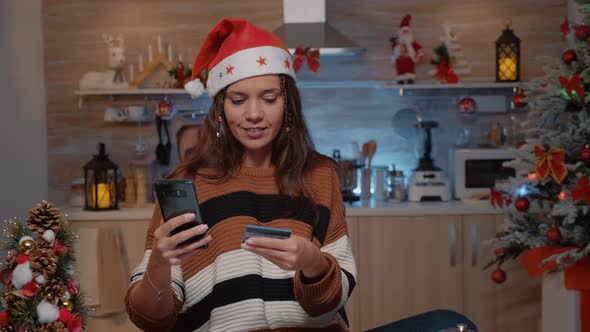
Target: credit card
(272, 232)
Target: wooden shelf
(420, 88)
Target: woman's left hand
(295, 253)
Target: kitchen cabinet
(411, 264)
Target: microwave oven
(477, 170)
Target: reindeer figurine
(112, 78)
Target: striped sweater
(226, 288)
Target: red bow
(565, 27)
(573, 87)
(550, 162)
(307, 54)
(582, 191)
(443, 71)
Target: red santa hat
(406, 21)
(234, 50)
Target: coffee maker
(428, 182)
(348, 176)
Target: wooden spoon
(365, 152)
(372, 148)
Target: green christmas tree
(548, 201)
(40, 292)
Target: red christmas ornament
(4, 318)
(499, 276)
(519, 100)
(499, 251)
(467, 105)
(164, 108)
(568, 57)
(585, 154)
(522, 204)
(553, 235)
(582, 32)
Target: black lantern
(508, 56)
(100, 179)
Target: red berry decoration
(568, 57)
(582, 32)
(522, 204)
(585, 154)
(554, 235)
(499, 251)
(519, 100)
(499, 276)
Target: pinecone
(52, 290)
(42, 243)
(11, 257)
(43, 261)
(43, 217)
(8, 298)
(56, 326)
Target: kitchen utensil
(365, 153)
(160, 148)
(372, 148)
(168, 146)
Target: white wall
(23, 132)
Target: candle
(170, 52)
(150, 53)
(140, 63)
(160, 50)
(507, 66)
(131, 72)
(104, 196)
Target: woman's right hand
(166, 244)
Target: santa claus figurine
(406, 53)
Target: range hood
(304, 24)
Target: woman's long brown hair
(293, 153)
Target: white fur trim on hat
(195, 88)
(247, 63)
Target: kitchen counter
(357, 209)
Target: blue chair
(431, 321)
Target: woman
(255, 166)
(187, 139)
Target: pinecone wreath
(43, 217)
(56, 326)
(9, 297)
(52, 290)
(43, 262)
(11, 257)
(42, 243)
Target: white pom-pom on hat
(21, 275)
(47, 312)
(195, 88)
(49, 235)
(25, 238)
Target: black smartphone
(178, 197)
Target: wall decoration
(113, 77)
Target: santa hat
(406, 21)
(234, 50)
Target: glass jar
(77, 198)
(396, 186)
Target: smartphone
(273, 232)
(178, 197)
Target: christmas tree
(548, 200)
(40, 292)
(450, 59)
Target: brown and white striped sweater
(226, 288)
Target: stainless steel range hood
(304, 24)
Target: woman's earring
(219, 120)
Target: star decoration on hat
(229, 70)
(261, 61)
(287, 63)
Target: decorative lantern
(508, 56)
(100, 182)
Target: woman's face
(254, 111)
